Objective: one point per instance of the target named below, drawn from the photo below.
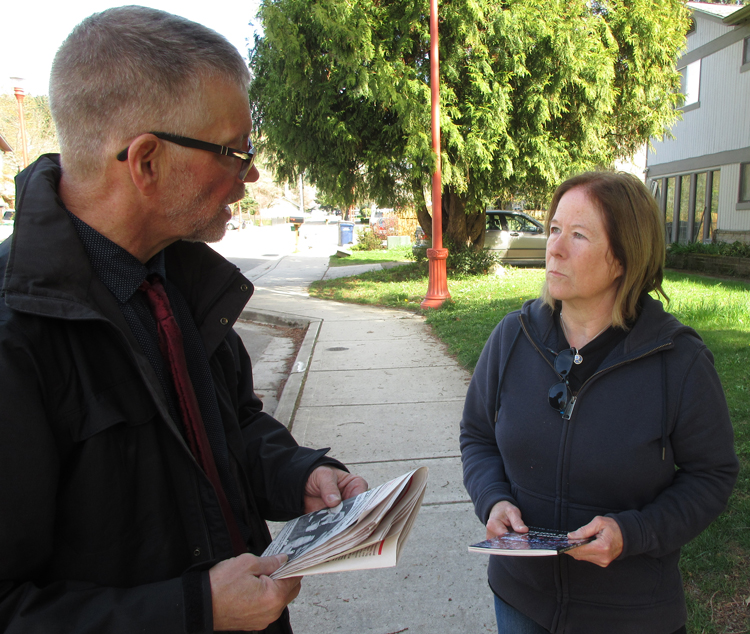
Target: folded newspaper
(366, 531)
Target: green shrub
(462, 260)
(367, 240)
(736, 249)
(418, 254)
(465, 260)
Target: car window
(519, 223)
(493, 222)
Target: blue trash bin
(346, 233)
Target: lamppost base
(437, 287)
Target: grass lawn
(716, 565)
(396, 254)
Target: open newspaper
(366, 531)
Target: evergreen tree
(530, 92)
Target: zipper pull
(569, 409)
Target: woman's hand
(504, 517)
(605, 548)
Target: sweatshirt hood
(654, 328)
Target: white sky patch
(33, 31)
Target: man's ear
(146, 162)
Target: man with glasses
(136, 465)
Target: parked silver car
(517, 238)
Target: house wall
(708, 28)
(721, 123)
(715, 133)
(730, 218)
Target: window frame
(684, 72)
(745, 65)
(744, 185)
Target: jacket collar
(48, 272)
(654, 329)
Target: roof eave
(739, 16)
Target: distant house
(701, 177)
(280, 208)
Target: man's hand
(605, 548)
(327, 486)
(244, 598)
(503, 517)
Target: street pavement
(378, 388)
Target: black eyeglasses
(560, 395)
(247, 158)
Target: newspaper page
(366, 520)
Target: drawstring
(502, 373)
(664, 406)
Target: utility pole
(301, 193)
(20, 94)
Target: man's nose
(252, 175)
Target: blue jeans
(511, 621)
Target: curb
(287, 404)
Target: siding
(707, 29)
(721, 123)
(730, 218)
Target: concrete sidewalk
(381, 391)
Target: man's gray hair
(130, 70)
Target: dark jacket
(654, 404)
(107, 523)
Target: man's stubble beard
(189, 208)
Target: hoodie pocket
(633, 581)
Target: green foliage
(531, 91)
(419, 255)
(249, 205)
(736, 249)
(368, 240)
(465, 260)
(41, 137)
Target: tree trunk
(461, 228)
(423, 216)
(458, 227)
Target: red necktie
(170, 344)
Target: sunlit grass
(395, 254)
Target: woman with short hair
(593, 411)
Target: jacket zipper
(569, 409)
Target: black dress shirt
(122, 273)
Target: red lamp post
(437, 287)
(20, 94)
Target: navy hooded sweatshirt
(649, 443)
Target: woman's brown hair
(635, 231)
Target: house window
(691, 27)
(744, 183)
(691, 84)
(745, 55)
